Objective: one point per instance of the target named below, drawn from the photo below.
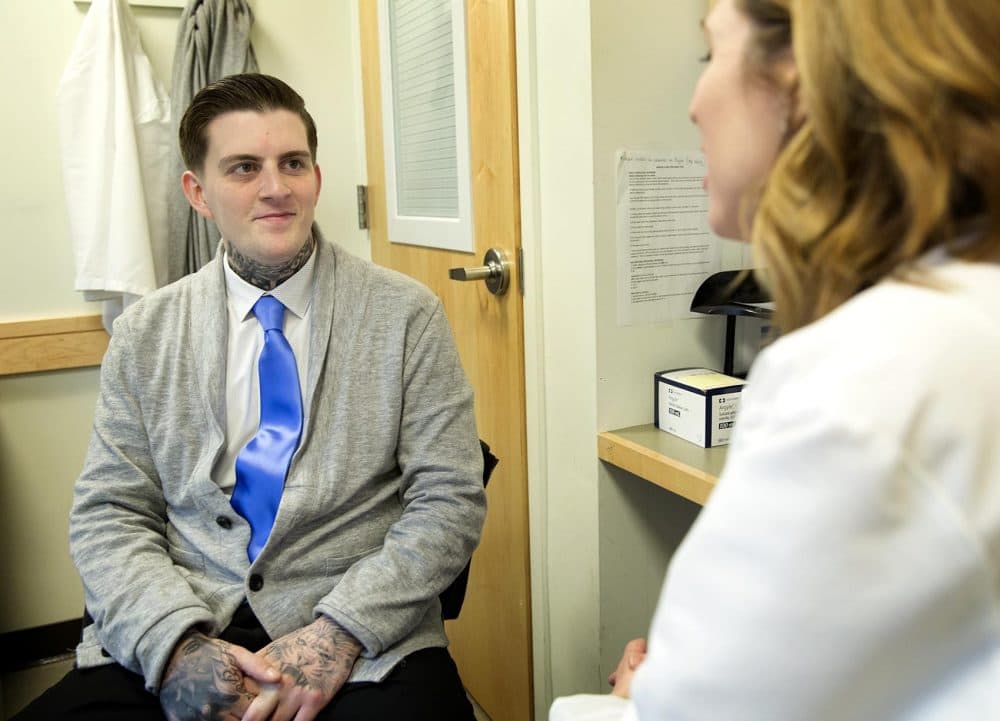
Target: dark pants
(425, 686)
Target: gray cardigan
(382, 507)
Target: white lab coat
(114, 132)
(847, 565)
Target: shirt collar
(295, 293)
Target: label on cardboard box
(697, 404)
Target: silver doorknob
(495, 271)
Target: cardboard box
(697, 404)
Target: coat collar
(209, 323)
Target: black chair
(453, 597)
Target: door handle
(495, 271)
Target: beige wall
(45, 418)
(645, 68)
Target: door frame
(555, 136)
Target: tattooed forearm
(203, 681)
(267, 277)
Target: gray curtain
(213, 41)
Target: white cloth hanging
(114, 133)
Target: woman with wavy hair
(847, 565)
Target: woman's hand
(634, 655)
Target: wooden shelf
(51, 344)
(179, 4)
(666, 460)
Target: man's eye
(242, 168)
(296, 164)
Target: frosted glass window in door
(425, 122)
(424, 100)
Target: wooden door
(491, 640)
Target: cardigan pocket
(337, 565)
(187, 562)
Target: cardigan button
(224, 522)
(256, 582)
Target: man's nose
(272, 183)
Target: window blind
(423, 92)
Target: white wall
(313, 45)
(36, 275)
(644, 70)
(45, 418)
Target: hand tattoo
(267, 277)
(203, 681)
(318, 657)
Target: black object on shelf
(731, 293)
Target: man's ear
(319, 179)
(195, 194)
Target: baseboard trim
(34, 646)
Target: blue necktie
(262, 465)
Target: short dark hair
(248, 91)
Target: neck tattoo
(268, 277)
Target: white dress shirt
(246, 340)
(847, 566)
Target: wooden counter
(663, 459)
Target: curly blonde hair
(898, 151)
